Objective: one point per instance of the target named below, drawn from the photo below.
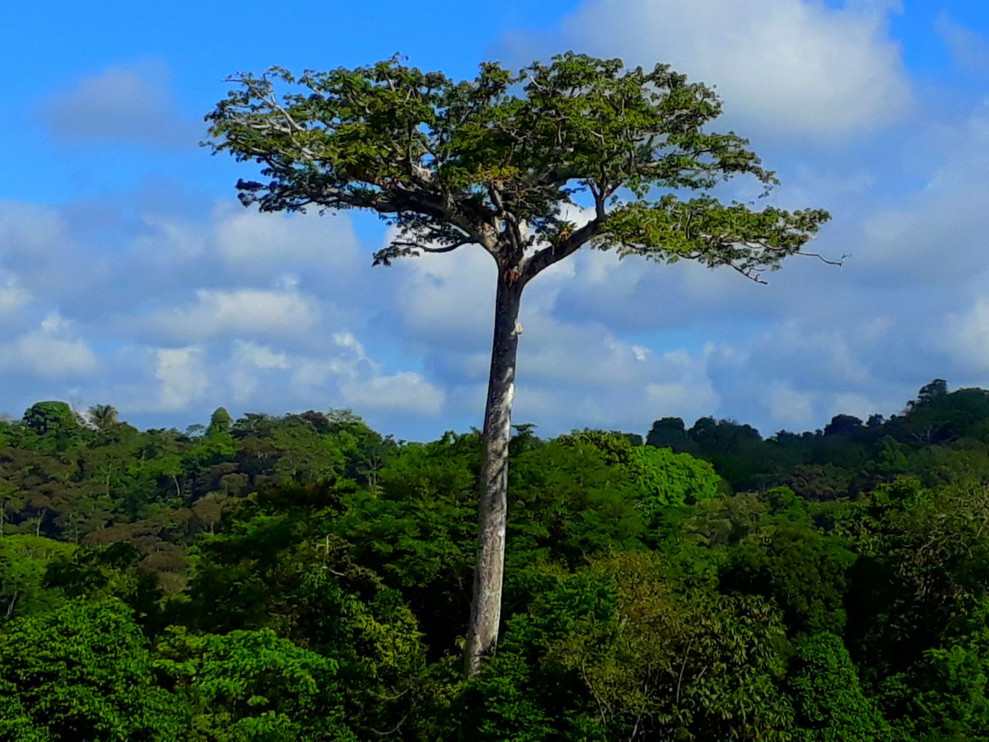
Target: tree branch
(412, 248)
(754, 273)
(556, 252)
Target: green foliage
(617, 652)
(82, 672)
(418, 532)
(52, 419)
(923, 559)
(943, 697)
(642, 601)
(684, 664)
(669, 432)
(220, 423)
(939, 438)
(24, 561)
(103, 417)
(252, 685)
(112, 571)
(572, 498)
(278, 565)
(830, 703)
(778, 552)
(666, 478)
(521, 693)
(802, 569)
(16, 725)
(445, 160)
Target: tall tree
(531, 166)
(102, 416)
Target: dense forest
(306, 578)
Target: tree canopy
(303, 577)
(507, 160)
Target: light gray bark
(485, 614)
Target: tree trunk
(485, 611)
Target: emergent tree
(531, 166)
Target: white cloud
(790, 67)
(345, 360)
(169, 241)
(790, 407)
(682, 387)
(37, 251)
(846, 403)
(252, 243)
(182, 375)
(619, 391)
(935, 235)
(579, 354)
(250, 363)
(448, 299)
(50, 352)
(258, 356)
(403, 393)
(678, 399)
(26, 228)
(348, 341)
(53, 358)
(239, 312)
(966, 336)
(120, 104)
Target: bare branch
(412, 248)
(839, 262)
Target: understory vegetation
(306, 578)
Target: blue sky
(130, 275)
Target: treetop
(503, 160)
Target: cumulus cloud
(50, 352)
(258, 356)
(37, 252)
(251, 364)
(449, 299)
(791, 67)
(936, 235)
(182, 375)
(789, 407)
(241, 312)
(344, 360)
(967, 335)
(404, 393)
(612, 383)
(680, 383)
(253, 243)
(558, 351)
(124, 104)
